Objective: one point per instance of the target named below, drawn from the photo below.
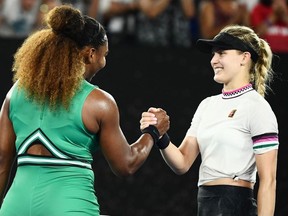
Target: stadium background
(176, 79)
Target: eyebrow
(217, 49)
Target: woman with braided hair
(235, 132)
(53, 120)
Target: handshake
(156, 122)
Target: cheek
(103, 63)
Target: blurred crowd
(165, 23)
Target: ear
(89, 55)
(246, 58)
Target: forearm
(6, 164)
(3, 183)
(127, 159)
(140, 150)
(188, 8)
(174, 159)
(93, 8)
(266, 198)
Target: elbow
(273, 183)
(179, 168)
(124, 171)
(179, 171)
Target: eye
(221, 52)
(217, 50)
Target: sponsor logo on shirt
(232, 113)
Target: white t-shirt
(230, 128)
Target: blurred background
(153, 62)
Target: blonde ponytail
(261, 72)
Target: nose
(214, 59)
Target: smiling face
(229, 68)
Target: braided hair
(261, 72)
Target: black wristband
(163, 142)
(153, 131)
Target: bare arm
(188, 8)
(237, 15)
(7, 144)
(181, 158)
(266, 166)
(152, 8)
(93, 8)
(206, 20)
(123, 158)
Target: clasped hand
(157, 117)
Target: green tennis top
(61, 184)
(62, 131)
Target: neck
(232, 87)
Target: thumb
(153, 109)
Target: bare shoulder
(9, 94)
(99, 109)
(102, 103)
(100, 97)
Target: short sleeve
(264, 128)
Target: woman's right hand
(157, 117)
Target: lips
(217, 69)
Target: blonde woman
(235, 132)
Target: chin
(218, 80)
